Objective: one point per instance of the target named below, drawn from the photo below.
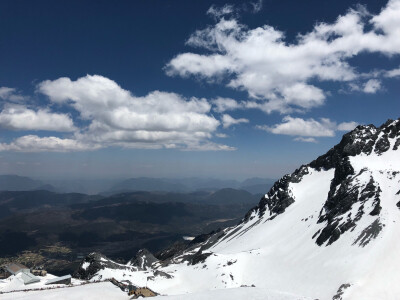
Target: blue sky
(95, 89)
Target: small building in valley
(137, 292)
(38, 272)
(133, 290)
(60, 280)
(29, 278)
(15, 268)
(4, 273)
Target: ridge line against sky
(262, 81)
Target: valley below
(56, 231)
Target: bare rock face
(144, 260)
(279, 197)
(346, 188)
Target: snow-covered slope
(329, 230)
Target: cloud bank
(115, 117)
(284, 76)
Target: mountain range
(329, 230)
(32, 222)
(113, 186)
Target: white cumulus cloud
(118, 118)
(225, 104)
(372, 86)
(284, 76)
(34, 143)
(19, 117)
(347, 126)
(301, 127)
(393, 73)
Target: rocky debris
(203, 237)
(231, 262)
(340, 291)
(172, 251)
(396, 144)
(199, 257)
(369, 233)
(341, 200)
(162, 274)
(382, 145)
(143, 260)
(180, 250)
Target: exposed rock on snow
(144, 260)
(95, 262)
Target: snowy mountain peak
(351, 183)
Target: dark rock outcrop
(95, 262)
(143, 260)
(279, 197)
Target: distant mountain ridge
(22, 183)
(117, 225)
(252, 185)
(147, 184)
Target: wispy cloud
(372, 86)
(256, 6)
(219, 12)
(228, 121)
(20, 117)
(305, 140)
(11, 94)
(307, 129)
